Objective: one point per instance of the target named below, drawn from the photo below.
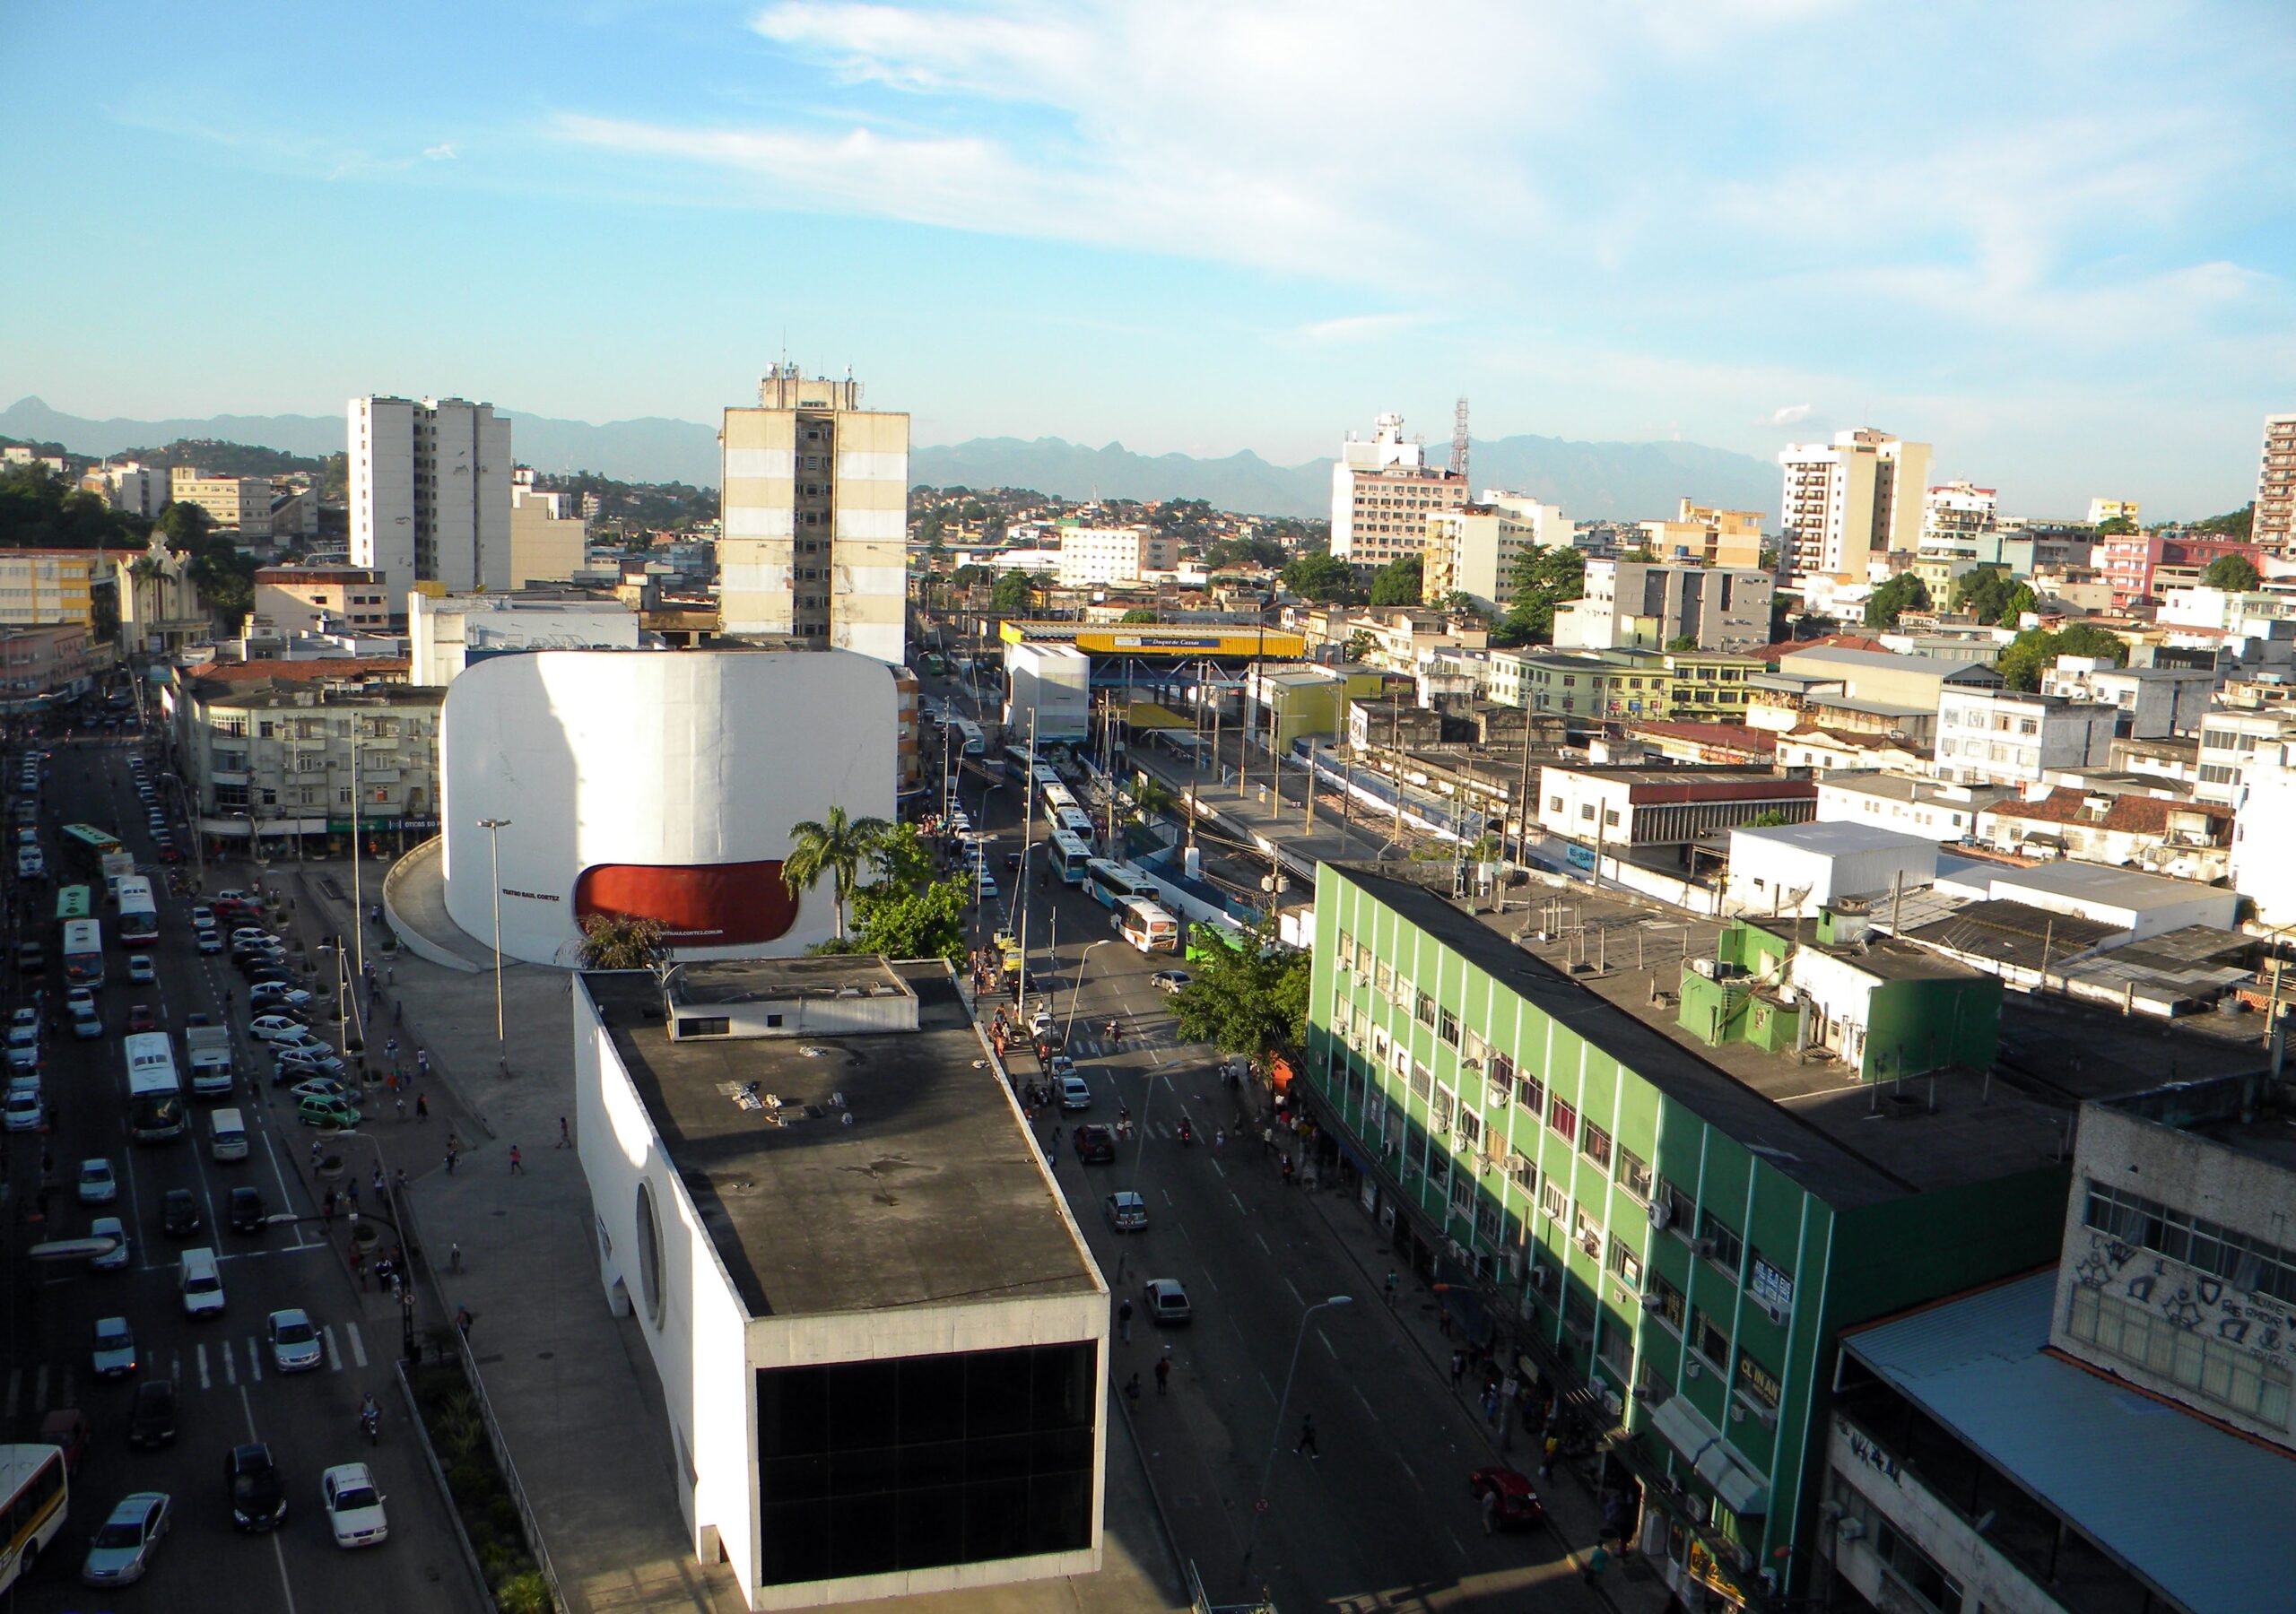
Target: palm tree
(622, 941)
(837, 848)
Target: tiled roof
(1773, 654)
(1725, 736)
(2130, 814)
(304, 672)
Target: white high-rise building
(816, 517)
(430, 494)
(1851, 500)
(1955, 510)
(2275, 514)
(1382, 493)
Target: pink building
(2138, 565)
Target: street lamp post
(1267, 1469)
(494, 827)
(1077, 991)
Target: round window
(649, 1254)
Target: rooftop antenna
(1459, 441)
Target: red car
(1519, 1504)
(139, 1018)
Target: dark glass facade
(866, 1468)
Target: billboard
(697, 905)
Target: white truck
(207, 1055)
(115, 864)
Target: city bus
(1017, 766)
(1147, 926)
(934, 664)
(73, 902)
(87, 845)
(139, 914)
(1052, 797)
(1068, 857)
(969, 739)
(84, 952)
(35, 1495)
(1074, 821)
(154, 1093)
(1110, 884)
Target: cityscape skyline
(1172, 234)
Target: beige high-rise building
(1472, 549)
(816, 517)
(1382, 492)
(239, 504)
(1708, 534)
(547, 535)
(2275, 515)
(1850, 500)
(1121, 555)
(2102, 510)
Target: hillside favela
(974, 808)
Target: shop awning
(1682, 1427)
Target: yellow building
(1614, 684)
(43, 587)
(1708, 686)
(1706, 535)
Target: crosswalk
(204, 1365)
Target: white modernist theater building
(663, 786)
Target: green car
(318, 1111)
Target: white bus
(84, 952)
(1147, 927)
(1053, 797)
(139, 914)
(1070, 857)
(154, 1092)
(35, 1495)
(1076, 822)
(1110, 884)
(969, 739)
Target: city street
(1381, 1516)
(230, 1392)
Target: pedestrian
(1390, 1288)
(1287, 1171)
(1459, 1368)
(351, 1192)
(422, 1108)
(450, 1160)
(565, 1139)
(1220, 1138)
(1491, 1510)
(422, 1061)
(517, 1164)
(1597, 1561)
(400, 1102)
(454, 1257)
(378, 1184)
(398, 1011)
(1307, 1438)
(463, 1321)
(1552, 1445)
(1124, 1321)
(1056, 1134)
(1132, 1389)
(358, 1264)
(1163, 1373)
(398, 1181)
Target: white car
(140, 969)
(985, 888)
(25, 1109)
(110, 1226)
(278, 1028)
(294, 1341)
(210, 942)
(322, 1087)
(354, 1508)
(97, 1185)
(114, 1351)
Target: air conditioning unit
(1613, 1403)
(1853, 1529)
(1738, 1413)
(1541, 1279)
(1695, 1507)
(1362, 978)
(1653, 1303)
(1455, 1250)
(1776, 1313)
(1707, 1247)
(1516, 1261)
(1661, 1215)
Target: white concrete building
(1382, 492)
(447, 632)
(1051, 683)
(1091, 555)
(138, 490)
(1633, 603)
(814, 543)
(430, 494)
(2275, 518)
(2264, 834)
(659, 786)
(1797, 868)
(2003, 737)
(235, 504)
(1906, 802)
(1472, 549)
(1953, 513)
(2229, 741)
(2137, 904)
(2155, 702)
(866, 1393)
(1849, 500)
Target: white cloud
(441, 152)
(1792, 414)
(1359, 328)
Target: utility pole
(1028, 837)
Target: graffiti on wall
(2186, 1299)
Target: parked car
(277, 1028)
(332, 1113)
(120, 1551)
(1517, 1504)
(1170, 980)
(1165, 1301)
(1095, 1146)
(1125, 1212)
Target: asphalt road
(230, 1392)
(1381, 1517)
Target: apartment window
(1553, 1203)
(1681, 1209)
(1708, 1339)
(230, 795)
(1422, 1082)
(1672, 1308)
(1502, 1072)
(2252, 1265)
(1587, 1233)
(1729, 1250)
(1449, 1029)
(1909, 1569)
(1625, 1265)
(1423, 1008)
(1383, 978)
(1609, 816)
(1563, 1119)
(1634, 1174)
(1520, 1168)
(1594, 1143)
(1346, 950)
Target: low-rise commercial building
(1708, 686)
(547, 535)
(447, 632)
(1093, 555)
(2186, 840)
(2142, 566)
(52, 588)
(1582, 685)
(39, 666)
(866, 1393)
(1788, 870)
(2155, 701)
(1914, 684)
(1662, 810)
(2132, 905)
(2003, 737)
(315, 599)
(236, 503)
(1707, 535)
(1908, 803)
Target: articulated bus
(73, 902)
(1069, 858)
(139, 914)
(1110, 884)
(35, 1495)
(1146, 926)
(969, 739)
(87, 845)
(84, 952)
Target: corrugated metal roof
(2201, 1513)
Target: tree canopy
(2115, 527)
(1398, 582)
(1251, 1000)
(622, 941)
(2034, 651)
(835, 845)
(2234, 574)
(1138, 615)
(1321, 577)
(2240, 523)
(1901, 594)
(1541, 579)
(1013, 592)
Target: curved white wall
(681, 771)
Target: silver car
(121, 1549)
(115, 1353)
(294, 1341)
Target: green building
(1672, 1233)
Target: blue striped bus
(1069, 858)
(1110, 884)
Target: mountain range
(1590, 480)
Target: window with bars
(1587, 1233)
(1447, 1028)
(1463, 1194)
(1553, 1203)
(1422, 1081)
(1522, 1169)
(1423, 1008)
(1563, 1118)
(1502, 1069)
(1680, 1209)
(1439, 1109)
(1672, 1308)
(1383, 976)
(1347, 951)
(1470, 1126)
(1594, 1143)
(1708, 1339)
(2210, 1368)
(1625, 1265)
(1729, 1250)
(1634, 1174)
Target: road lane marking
(231, 1362)
(1239, 1202)
(1294, 1288)
(1409, 1470)
(206, 1380)
(358, 1345)
(1455, 1544)
(1328, 1346)
(1261, 1238)
(334, 1357)
(1368, 1406)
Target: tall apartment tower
(430, 494)
(2275, 517)
(814, 538)
(1851, 500)
(1382, 493)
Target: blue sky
(2054, 240)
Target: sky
(2054, 240)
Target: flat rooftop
(1835, 838)
(934, 1194)
(1853, 1143)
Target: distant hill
(1590, 480)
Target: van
(229, 1135)
(199, 1283)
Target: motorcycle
(371, 1419)
(1188, 1132)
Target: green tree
(1014, 593)
(1151, 798)
(896, 922)
(183, 525)
(1901, 594)
(2240, 523)
(2234, 574)
(1251, 1000)
(2021, 599)
(1687, 641)
(1982, 591)
(2115, 527)
(1138, 615)
(837, 846)
(622, 941)
(1771, 819)
(1460, 606)
(1541, 580)
(2086, 639)
(2034, 651)
(1320, 577)
(1398, 583)
(1360, 644)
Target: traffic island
(489, 1523)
